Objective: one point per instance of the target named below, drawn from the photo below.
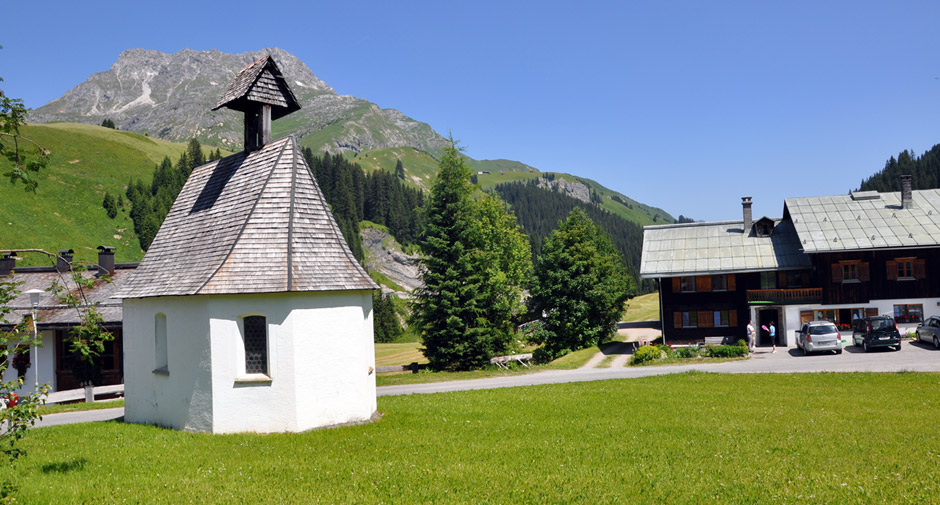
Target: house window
(768, 280)
(687, 284)
(849, 272)
(719, 283)
(906, 268)
(256, 344)
(159, 344)
(721, 318)
(795, 279)
(690, 319)
(913, 313)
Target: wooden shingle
(260, 83)
(249, 223)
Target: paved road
(912, 357)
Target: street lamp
(34, 301)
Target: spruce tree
(109, 206)
(448, 312)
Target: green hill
(66, 211)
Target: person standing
(773, 336)
(751, 336)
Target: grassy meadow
(689, 438)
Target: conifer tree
(579, 287)
(109, 206)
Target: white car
(819, 336)
(929, 331)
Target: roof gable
(260, 83)
(249, 223)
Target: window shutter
(782, 279)
(863, 271)
(677, 319)
(892, 267)
(731, 285)
(706, 319)
(733, 318)
(920, 269)
(703, 283)
(676, 285)
(836, 272)
(871, 311)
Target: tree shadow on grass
(65, 466)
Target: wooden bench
(715, 340)
(503, 361)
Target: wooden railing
(794, 295)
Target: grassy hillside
(66, 211)
(421, 168)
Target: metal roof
(720, 247)
(249, 223)
(867, 221)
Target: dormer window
(764, 227)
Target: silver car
(929, 331)
(819, 336)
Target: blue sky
(684, 105)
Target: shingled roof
(260, 82)
(250, 223)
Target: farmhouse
(56, 320)
(249, 312)
(837, 258)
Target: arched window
(161, 361)
(256, 344)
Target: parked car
(877, 331)
(819, 336)
(929, 331)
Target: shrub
(670, 353)
(726, 351)
(646, 354)
(544, 355)
(692, 351)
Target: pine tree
(399, 169)
(109, 206)
(387, 327)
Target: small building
(249, 313)
(53, 360)
(837, 258)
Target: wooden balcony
(784, 296)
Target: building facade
(836, 258)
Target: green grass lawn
(642, 308)
(59, 408)
(689, 438)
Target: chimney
(748, 218)
(63, 261)
(7, 263)
(907, 201)
(105, 260)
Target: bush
(726, 351)
(693, 351)
(544, 355)
(646, 354)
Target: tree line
(540, 211)
(151, 203)
(924, 171)
(380, 196)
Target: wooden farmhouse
(53, 359)
(248, 312)
(837, 258)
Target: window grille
(256, 344)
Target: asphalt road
(912, 357)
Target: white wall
(885, 307)
(181, 398)
(320, 353)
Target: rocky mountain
(169, 96)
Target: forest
(924, 171)
(539, 212)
